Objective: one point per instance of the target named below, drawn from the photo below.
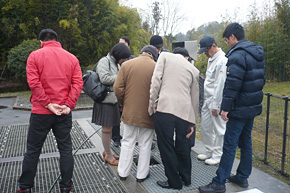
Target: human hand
(154, 110)
(55, 108)
(190, 133)
(215, 112)
(224, 115)
(65, 109)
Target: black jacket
(242, 95)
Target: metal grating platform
(13, 140)
(91, 174)
(201, 173)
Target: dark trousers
(116, 132)
(238, 133)
(40, 125)
(175, 155)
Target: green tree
(18, 56)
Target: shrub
(17, 58)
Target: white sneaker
(212, 162)
(202, 157)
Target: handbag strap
(95, 66)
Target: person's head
(233, 33)
(182, 51)
(150, 50)
(205, 44)
(47, 35)
(208, 46)
(124, 40)
(120, 52)
(157, 41)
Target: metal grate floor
(91, 174)
(201, 173)
(13, 140)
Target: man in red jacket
(55, 79)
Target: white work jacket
(215, 80)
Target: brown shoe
(113, 163)
(115, 156)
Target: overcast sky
(204, 11)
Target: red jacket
(54, 76)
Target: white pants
(212, 131)
(145, 138)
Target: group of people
(156, 92)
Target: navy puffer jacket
(242, 95)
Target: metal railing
(271, 142)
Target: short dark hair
(126, 39)
(120, 51)
(236, 29)
(47, 34)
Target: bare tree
(156, 14)
(173, 16)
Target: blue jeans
(238, 133)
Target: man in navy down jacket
(242, 97)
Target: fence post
(267, 127)
(284, 134)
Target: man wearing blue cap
(212, 126)
(241, 103)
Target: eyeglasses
(207, 49)
(226, 41)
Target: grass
(278, 88)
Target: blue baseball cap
(205, 42)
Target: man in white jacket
(212, 126)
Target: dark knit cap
(47, 33)
(156, 40)
(151, 50)
(120, 51)
(182, 51)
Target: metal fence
(271, 142)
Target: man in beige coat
(174, 99)
(132, 90)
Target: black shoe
(187, 183)
(212, 188)
(65, 190)
(117, 143)
(123, 178)
(27, 190)
(142, 180)
(153, 146)
(242, 183)
(164, 184)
